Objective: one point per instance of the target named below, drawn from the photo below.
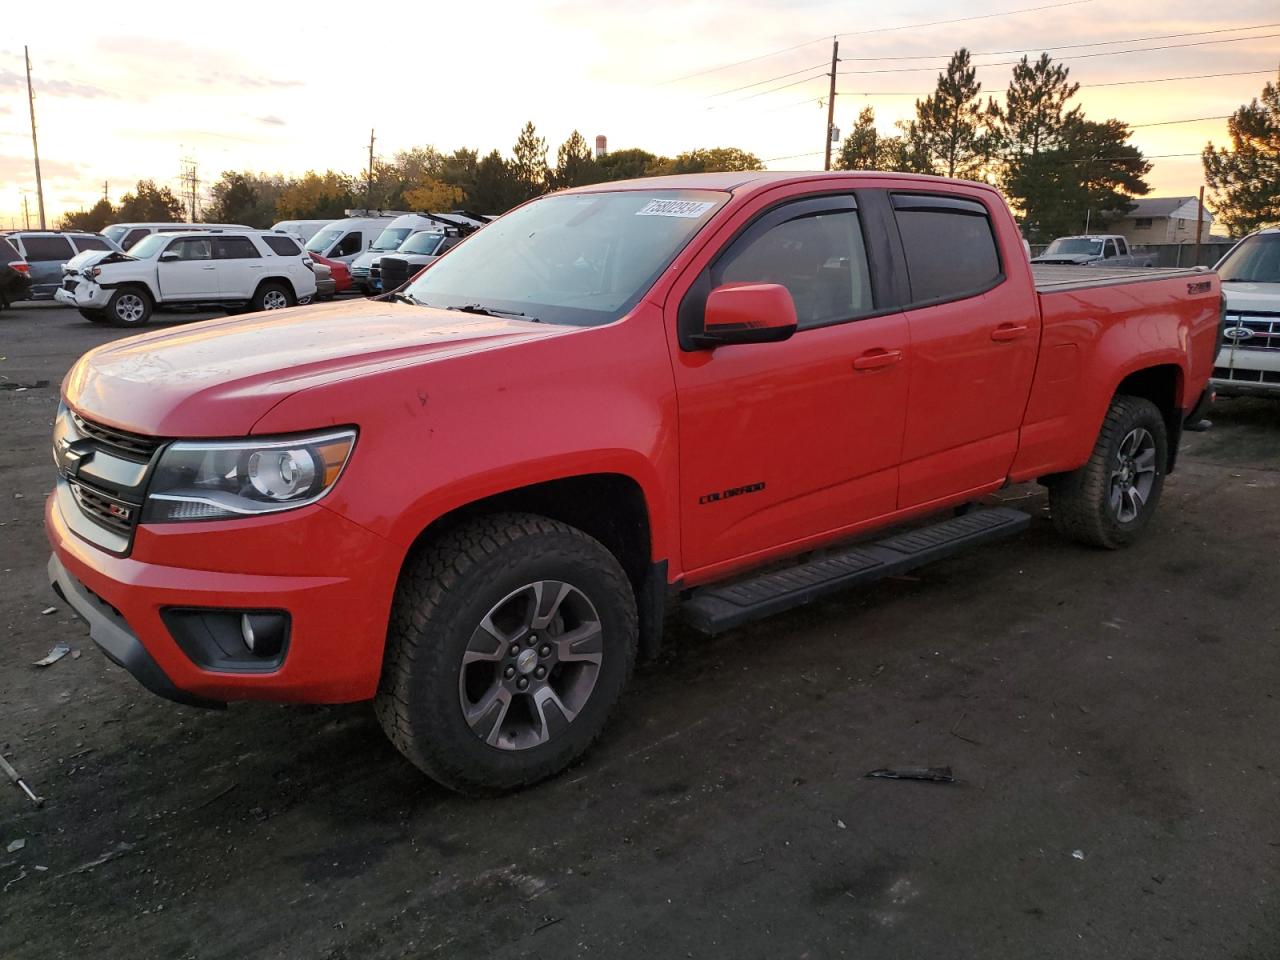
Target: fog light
(263, 633)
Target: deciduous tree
(91, 220)
(317, 196)
(149, 204)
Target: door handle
(874, 359)
(1008, 331)
(208, 268)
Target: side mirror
(747, 313)
(168, 256)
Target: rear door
(193, 275)
(786, 442)
(240, 266)
(46, 254)
(975, 332)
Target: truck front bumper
(1241, 372)
(337, 606)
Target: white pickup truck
(1094, 250)
(251, 268)
(1249, 363)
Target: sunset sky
(126, 90)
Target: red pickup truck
(472, 500)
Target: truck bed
(1056, 278)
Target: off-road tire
(118, 316)
(445, 590)
(268, 294)
(1080, 501)
(93, 316)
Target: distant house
(1163, 220)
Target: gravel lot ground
(1112, 718)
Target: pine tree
(530, 164)
(1244, 181)
(575, 164)
(861, 149)
(953, 125)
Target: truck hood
(1077, 259)
(219, 377)
(1264, 297)
(87, 258)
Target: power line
(1078, 56)
(1076, 46)
(762, 93)
(1166, 123)
(1083, 86)
(781, 76)
(859, 33)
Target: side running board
(717, 608)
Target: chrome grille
(1253, 330)
(132, 445)
(110, 512)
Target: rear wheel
(272, 296)
(1109, 501)
(129, 307)
(511, 640)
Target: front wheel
(129, 307)
(1109, 501)
(511, 640)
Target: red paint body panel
(340, 271)
(743, 454)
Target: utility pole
(106, 192)
(26, 214)
(35, 149)
(368, 183)
(831, 101)
(1199, 225)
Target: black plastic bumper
(110, 632)
(1200, 410)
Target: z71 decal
(731, 492)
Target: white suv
(254, 268)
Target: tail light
(21, 266)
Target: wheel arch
(1162, 384)
(293, 291)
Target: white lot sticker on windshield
(691, 209)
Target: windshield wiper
(403, 298)
(492, 312)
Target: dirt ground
(1112, 719)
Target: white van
(125, 235)
(346, 239)
(396, 232)
(303, 230)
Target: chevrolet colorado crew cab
(470, 501)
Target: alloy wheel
(1133, 475)
(531, 665)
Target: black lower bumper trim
(1198, 412)
(112, 635)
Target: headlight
(218, 479)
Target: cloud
(13, 80)
(271, 120)
(19, 169)
(253, 82)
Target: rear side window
(47, 248)
(8, 252)
(90, 243)
(950, 247)
(282, 246)
(817, 255)
(235, 248)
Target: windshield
(389, 239)
(149, 245)
(1255, 260)
(580, 258)
(424, 242)
(324, 239)
(1073, 245)
(115, 234)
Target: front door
(975, 333)
(193, 275)
(786, 442)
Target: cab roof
(749, 181)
